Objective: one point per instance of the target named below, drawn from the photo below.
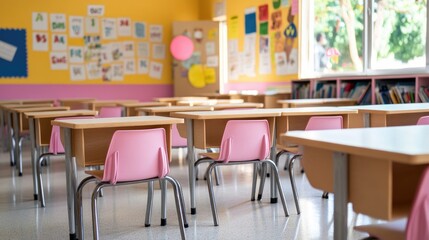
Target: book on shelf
(325, 90)
(357, 90)
(424, 93)
(301, 91)
(395, 94)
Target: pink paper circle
(181, 47)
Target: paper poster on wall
(155, 70)
(124, 26)
(108, 27)
(92, 48)
(106, 72)
(276, 20)
(285, 3)
(96, 10)
(75, 54)
(58, 60)
(76, 26)
(209, 75)
(276, 4)
(250, 20)
(128, 48)
(106, 54)
(13, 53)
(196, 76)
(58, 22)
(93, 70)
(139, 29)
(116, 51)
(92, 25)
(210, 48)
(40, 21)
(234, 64)
(143, 49)
(198, 35)
(143, 66)
(212, 34)
(77, 72)
(158, 51)
(59, 42)
(263, 12)
(292, 65)
(281, 63)
(129, 66)
(118, 72)
(40, 41)
(7, 51)
(155, 33)
(264, 55)
(294, 7)
(212, 61)
(249, 54)
(233, 26)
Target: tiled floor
(122, 209)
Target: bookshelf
(377, 89)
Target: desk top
(115, 122)
(208, 102)
(174, 109)
(175, 99)
(404, 144)
(50, 114)
(237, 105)
(242, 113)
(317, 100)
(38, 109)
(13, 106)
(26, 101)
(77, 100)
(113, 101)
(392, 108)
(316, 111)
(144, 104)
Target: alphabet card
(155, 33)
(77, 72)
(155, 70)
(76, 26)
(129, 66)
(158, 51)
(108, 26)
(76, 54)
(40, 21)
(93, 70)
(58, 22)
(59, 42)
(40, 41)
(92, 25)
(143, 66)
(128, 48)
(143, 49)
(124, 26)
(58, 60)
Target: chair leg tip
(35, 197)
(193, 211)
(274, 200)
(146, 225)
(163, 221)
(73, 236)
(252, 199)
(259, 197)
(20, 174)
(186, 225)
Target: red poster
(263, 13)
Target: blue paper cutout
(18, 66)
(250, 23)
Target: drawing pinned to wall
(76, 26)
(96, 10)
(155, 70)
(276, 3)
(198, 35)
(124, 26)
(40, 41)
(158, 51)
(140, 29)
(40, 21)
(13, 53)
(59, 60)
(93, 70)
(143, 49)
(285, 3)
(107, 72)
(92, 25)
(92, 48)
(292, 66)
(209, 75)
(118, 72)
(108, 27)
(249, 54)
(59, 42)
(106, 54)
(75, 54)
(290, 34)
(58, 22)
(233, 27)
(155, 33)
(143, 66)
(210, 48)
(263, 13)
(128, 48)
(294, 7)
(264, 55)
(116, 51)
(281, 63)
(212, 61)
(77, 72)
(212, 34)
(129, 66)
(234, 63)
(276, 20)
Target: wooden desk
(167, 111)
(388, 114)
(205, 130)
(269, 100)
(208, 102)
(40, 134)
(87, 141)
(130, 107)
(97, 104)
(174, 100)
(77, 103)
(317, 102)
(228, 106)
(376, 169)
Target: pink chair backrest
(423, 120)
(136, 155)
(245, 140)
(418, 221)
(324, 123)
(176, 139)
(106, 112)
(55, 144)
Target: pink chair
(423, 120)
(107, 112)
(416, 227)
(133, 156)
(314, 123)
(243, 142)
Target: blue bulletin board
(13, 53)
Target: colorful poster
(106, 72)
(212, 61)
(281, 63)
(210, 48)
(76, 26)
(124, 26)
(158, 51)
(13, 50)
(92, 48)
(212, 34)
(143, 49)
(276, 4)
(76, 54)
(263, 28)
(294, 7)
(58, 22)
(58, 60)
(129, 66)
(276, 20)
(92, 25)
(116, 51)
(59, 42)
(93, 70)
(155, 70)
(143, 66)
(263, 13)
(108, 27)
(155, 33)
(194, 59)
(264, 55)
(40, 41)
(250, 20)
(128, 48)
(77, 72)
(40, 21)
(96, 10)
(139, 29)
(233, 27)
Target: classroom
(168, 120)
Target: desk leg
(2, 133)
(10, 138)
(71, 178)
(340, 195)
(191, 160)
(34, 156)
(273, 154)
(366, 120)
(16, 151)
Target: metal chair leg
(149, 204)
(262, 182)
(179, 204)
(163, 202)
(94, 210)
(79, 208)
(254, 181)
(292, 182)
(279, 185)
(211, 192)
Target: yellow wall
(237, 8)
(18, 14)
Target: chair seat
(394, 230)
(96, 173)
(213, 156)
